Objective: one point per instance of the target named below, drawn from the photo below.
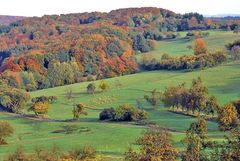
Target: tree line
(201, 59)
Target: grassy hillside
(216, 40)
(112, 138)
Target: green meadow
(216, 40)
(110, 138)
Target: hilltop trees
(6, 130)
(57, 59)
(155, 144)
(55, 50)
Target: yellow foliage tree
(103, 86)
(40, 108)
(227, 117)
(78, 110)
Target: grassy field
(112, 139)
(177, 47)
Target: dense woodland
(54, 50)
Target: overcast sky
(43, 7)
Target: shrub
(155, 144)
(103, 86)
(19, 155)
(85, 153)
(127, 112)
(6, 130)
(107, 114)
(52, 99)
(91, 88)
(40, 99)
(124, 112)
(49, 99)
(40, 108)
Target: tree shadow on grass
(232, 86)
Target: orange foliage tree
(200, 47)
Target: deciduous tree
(228, 117)
(200, 47)
(78, 109)
(155, 144)
(91, 88)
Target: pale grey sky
(42, 7)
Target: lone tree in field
(154, 98)
(78, 110)
(40, 108)
(200, 47)
(103, 86)
(155, 144)
(6, 130)
(91, 88)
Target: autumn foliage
(200, 47)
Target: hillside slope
(111, 138)
(54, 50)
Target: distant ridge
(223, 15)
(6, 20)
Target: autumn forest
(133, 84)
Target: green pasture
(110, 138)
(216, 40)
